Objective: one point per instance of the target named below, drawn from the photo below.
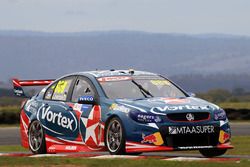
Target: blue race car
(122, 111)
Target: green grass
(235, 105)
(241, 146)
(9, 125)
(12, 148)
(15, 109)
(60, 161)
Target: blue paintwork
(124, 108)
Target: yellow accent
(114, 105)
(160, 82)
(159, 140)
(60, 87)
(221, 138)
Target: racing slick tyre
(36, 138)
(115, 137)
(212, 152)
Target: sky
(165, 16)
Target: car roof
(109, 73)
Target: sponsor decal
(60, 87)
(155, 139)
(86, 98)
(144, 117)
(70, 147)
(91, 128)
(190, 116)
(224, 137)
(31, 106)
(174, 130)
(121, 108)
(77, 107)
(57, 118)
(18, 92)
(106, 73)
(220, 115)
(175, 100)
(118, 78)
(58, 122)
(194, 147)
(160, 82)
(181, 107)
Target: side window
(62, 89)
(82, 88)
(50, 91)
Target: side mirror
(86, 100)
(191, 94)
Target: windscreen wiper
(143, 90)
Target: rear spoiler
(17, 85)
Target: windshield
(137, 87)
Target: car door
(58, 118)
(89, 123)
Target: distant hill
(28, 54)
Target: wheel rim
(35, 136)
(114, 136)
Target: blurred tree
(216, 95)
(238, 91)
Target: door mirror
(191, 94)
(86, 100)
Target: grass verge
(59, 161)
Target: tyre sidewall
(42, 149)
(121, 150)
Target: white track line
(186, 159)
(114, 157)
(48, 155)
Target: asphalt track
(11, 135)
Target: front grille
(182, 117)
(186, 140)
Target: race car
(120, 111)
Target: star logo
(92, 127)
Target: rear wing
(17, 85)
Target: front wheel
(115, 137)
(36, 138)
(212, 152)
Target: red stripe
(20, 83)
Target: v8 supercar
(121, 111)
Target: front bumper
(146, 139)
(138, 147)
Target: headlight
(220, 115)
(141, 117)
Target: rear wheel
(212, 152)
(36, 138)
(115, 137)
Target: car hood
(163, 105)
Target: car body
(122, 111)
